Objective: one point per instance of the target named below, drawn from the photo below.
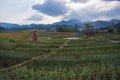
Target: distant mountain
(96, 24)
(2, 28)
(99, 24)
(32, 26)
(115, 21)
(71, 22)
(16, 27)
(113, 28)
(9, 25)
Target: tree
(89, 30)
(117, 27)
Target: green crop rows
(80, 59)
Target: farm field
(74, 59)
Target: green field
(79, 59)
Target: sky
(50, 11)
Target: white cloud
(16, 11)
(35, 17)
(80, 1)
(94, 10)
(105, 6)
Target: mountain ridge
(71, 22)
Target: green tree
(89, 30)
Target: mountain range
(71, 22)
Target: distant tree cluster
(116, 27)
(112, 28)
(66, 29)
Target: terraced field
(75, 59)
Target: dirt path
(62, 46)
(34, 58)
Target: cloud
(35, 17)
(113, 12)
(81, 1)
(82, 12)
(111, 0)
(51, 7)
(94, 11)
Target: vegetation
(89, 30)
(112, 28)
(78, 60)
(66, 29)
